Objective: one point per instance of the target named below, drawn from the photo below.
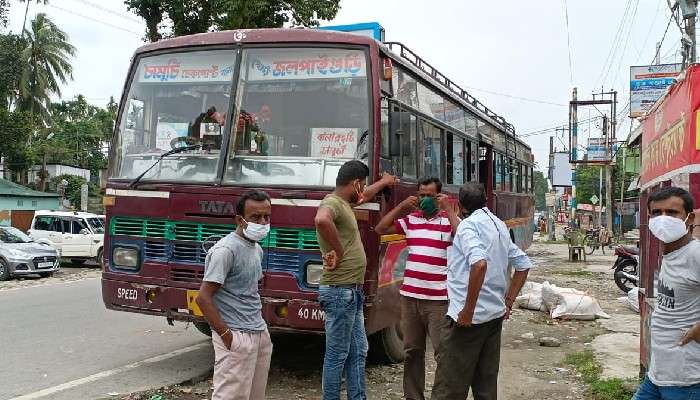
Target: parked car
(20, 255)
(78, 236)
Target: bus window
(472, 158)
(409, 145)
(516, 177)
(432, 149)
(483, 167)
(406, 88)
(525, 179)
(498, 172)
(302, 113)
(532, 181)
(507, 174)
(431, 103)
(385, 135)
(455, 159)
(175, 100)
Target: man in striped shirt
(428, 232)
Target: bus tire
(386, 346)
(203, 327)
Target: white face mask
(668, 229)
(256, 232)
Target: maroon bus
(204, 118)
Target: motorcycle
(626, 267)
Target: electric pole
(573, 146)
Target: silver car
(20, 255)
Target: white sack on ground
(564, 303)
(531, 297)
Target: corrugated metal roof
(8, 188)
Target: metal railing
(410, 56)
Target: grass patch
(599, 389)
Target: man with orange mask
(340, 289)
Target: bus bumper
(286, 315)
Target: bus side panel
(386, 310)
(517, 211)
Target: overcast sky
(518, 49)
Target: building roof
(8, 188)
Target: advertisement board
(648, 83)
(560, 170)
(597, 150)
(333, 142)
(192, 67)
(281, 64)
(670, 138)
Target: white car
(78, 236)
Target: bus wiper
(160, 158)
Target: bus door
(486, 171)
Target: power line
(517, 97)
(613, 49)
(94, 20)
(107, 10)
(651, 28)
(568, 42)
(666, 31)
(624, 48)
(553, 128)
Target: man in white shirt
(477, 276)
(674, 370)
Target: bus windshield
(303, 112)
(175, 99)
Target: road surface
(59, 342)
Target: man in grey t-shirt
(230, 302)
(674, 370)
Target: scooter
(626, 267)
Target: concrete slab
(622, 323)
(618, 354)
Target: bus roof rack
(424, 66)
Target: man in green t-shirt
(340, 291)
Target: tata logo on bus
(216, 207)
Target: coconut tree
(47, 55)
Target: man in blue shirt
(477, 279)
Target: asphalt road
(59, 342)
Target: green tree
(541, 188)
(11, 67)
(5, 7)
(197, 16)
(16, 127)
(72, 189)
(80, 132)
(47, 56)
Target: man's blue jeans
(346, 341)
(649, 391)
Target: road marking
(104, 374)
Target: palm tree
(47, 67)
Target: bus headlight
(313, 274)
(125, 257)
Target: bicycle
(596, 238)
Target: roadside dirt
(67, 273)
(528, 371)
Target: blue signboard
(369, 29)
